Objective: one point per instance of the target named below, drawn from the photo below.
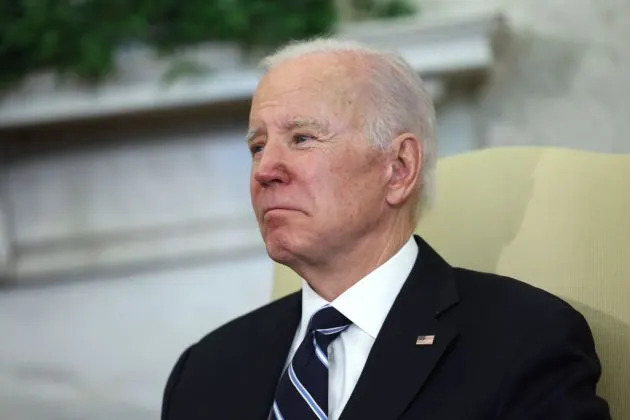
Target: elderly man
(342, 146)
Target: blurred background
(125, 225)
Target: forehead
(321, 84)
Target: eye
(301, 138)
(255, 148)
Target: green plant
(382, 9)
(81, 37)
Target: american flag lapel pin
(425, 340)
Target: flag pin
(425, 340)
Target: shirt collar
(369, 300)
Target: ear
(405, 161)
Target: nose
(271, 167)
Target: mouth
(278, 210)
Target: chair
(556, 218)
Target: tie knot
(328, 321)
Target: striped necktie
(302, 392)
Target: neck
(335, 277)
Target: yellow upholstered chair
(558, 219)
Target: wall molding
(135, 249)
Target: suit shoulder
(209, 373)
(514, 298)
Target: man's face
(317, 186)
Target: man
(342, 147)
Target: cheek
(254, 195)
(344, 192)
(359, 189)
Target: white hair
(399, 102)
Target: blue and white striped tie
(302, 392)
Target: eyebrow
(251, 134)
(319, 126)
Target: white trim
(434, 46)
(5, 244)
(111, 100)
(136, 250)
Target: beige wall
(562, 78)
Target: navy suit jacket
(502, 350)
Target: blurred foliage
(382, 9)
(81, 37)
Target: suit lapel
(397, 368)
(268, 355)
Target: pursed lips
(268, 209)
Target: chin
(280, 248)
(280, 256)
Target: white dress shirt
(366, 304)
